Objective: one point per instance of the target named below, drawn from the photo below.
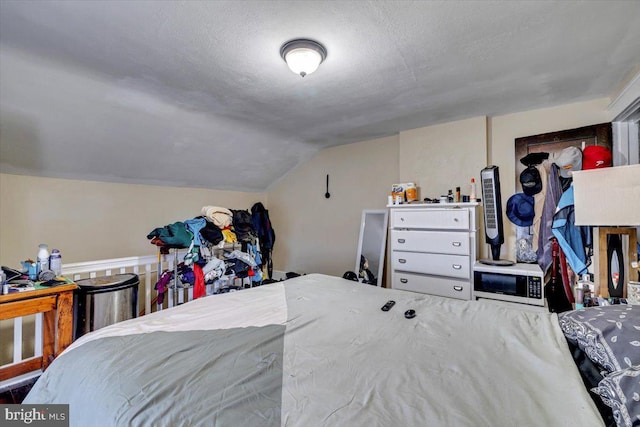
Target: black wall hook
(327, 194)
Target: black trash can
(103, 301)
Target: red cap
(595, 157)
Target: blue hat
(520, 209)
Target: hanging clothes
(538, 204)
(162, 285)
(185, 274)
(193, 254)
(198, 287)
(554, 192)
(265, 233)
(569, 235)
(554, 289)
(243, 256)
(194, 226)
(213, 269)
(254, 251)
(566, 281)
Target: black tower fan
(492, 208)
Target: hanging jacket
(538, 204)
(554, 192)
(263, 228)
(569, 235)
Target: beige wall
(442, 157)
(89, 220)
(319, 235)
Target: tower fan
(492, 208)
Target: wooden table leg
(48, 337)
(65, 321)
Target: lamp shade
(607, 196)
(303, 56)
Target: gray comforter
(317, 350)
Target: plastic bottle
(450, 196)
(579, 295)
(472, 190)
(589, 287)
(55, 262)
(3, 282)
(457, 194)
(43, 258)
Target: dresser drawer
(448, 219)
(442, 265)
(443, 287)
(445, 242)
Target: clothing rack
(175, 288)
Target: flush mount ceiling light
(303, 56)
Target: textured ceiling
(196, 94)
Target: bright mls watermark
(34, 415)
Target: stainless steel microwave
(520, 283)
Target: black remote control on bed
(388, 305)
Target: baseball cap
(531, 181)
(570, 159)
(595, 157)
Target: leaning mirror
(371, 246)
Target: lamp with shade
(609, 199)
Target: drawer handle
(402, 219)
(403, 280)
(456, 244)
(456, 219)
(402, 261)
(456, 266)
(401, 240)
(457, 288)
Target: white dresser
(433, 248)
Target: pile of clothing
(205, 234)
(544, 213)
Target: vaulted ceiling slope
(195, 93)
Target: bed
(318, 350)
